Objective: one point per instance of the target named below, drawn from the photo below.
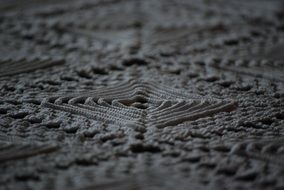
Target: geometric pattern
(10, 67)
(139, 104)
(14, 148)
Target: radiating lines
(255, 68)
(11, 67)
(179, 112)
(139, 103)
(15, 148)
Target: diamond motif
(140, 104)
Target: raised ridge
(17, 148)
(12, 66)
(139, 103)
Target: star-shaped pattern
(139, 104)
